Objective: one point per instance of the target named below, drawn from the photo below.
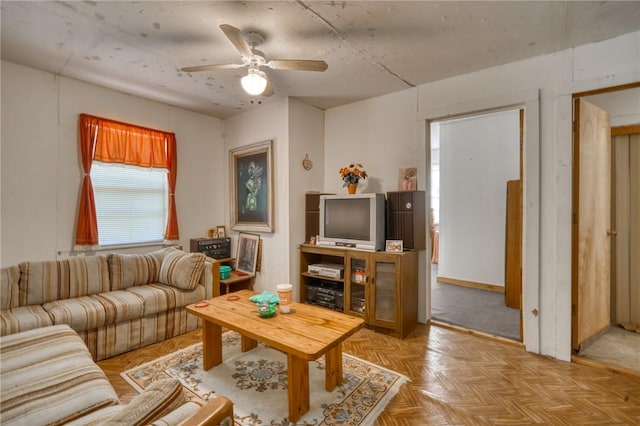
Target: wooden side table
(238, 280)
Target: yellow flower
(353, 173)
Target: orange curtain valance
(118, 142)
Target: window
(133, 198)
(131, 203)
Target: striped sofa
(48, 377)
(116, 302)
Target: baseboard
(471, 284)
(604, 366)
(465, 330)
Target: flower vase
(352, 188)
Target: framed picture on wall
(247, 253)
(251, 169)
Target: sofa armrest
(218, 411)
(215, 278)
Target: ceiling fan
(256, 81)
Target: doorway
(613, 341)
(475, 162)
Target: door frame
(529, 100)
(575, 196)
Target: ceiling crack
(360, 50)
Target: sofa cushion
(9, 278)
(42, 282)
(159, 399)
(48, 377)
(81, 313)
(125, 305)
(160, 297)
(128, 270)
(180, 269)
(23, 318)
(179, 415)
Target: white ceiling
(371, 47)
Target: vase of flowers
(351, 176)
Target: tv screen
(347, 218)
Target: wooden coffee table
(305, 334)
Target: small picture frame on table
(221, 231)
(394, 246)
(247, 253)
(212, 233)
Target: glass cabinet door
(385, 294)
(358, 283)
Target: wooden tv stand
(379, 287)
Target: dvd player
(330, 270)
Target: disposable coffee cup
(284, 297)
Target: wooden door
(626, 250)
(591, 287)
(513, 247)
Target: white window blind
(131, 203)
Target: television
(352, 221)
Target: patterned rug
(256, 383)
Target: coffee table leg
(297, 387)
(211, 345)
(247, 343)
(333, 367)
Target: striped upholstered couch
(116, 302)
(48, 377)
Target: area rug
(256, 383)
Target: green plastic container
(224, 272)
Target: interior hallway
(471, 308)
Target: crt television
(352, 221)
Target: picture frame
(252, 198)
(394, 246)
(221, 231)
(247, 253)
(408, 179)
(212, 233)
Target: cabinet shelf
(380, 287)
(321, 277)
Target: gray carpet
(474, 309)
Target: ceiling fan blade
(298, 64)
(268, 91)
(235, 36)
(211, 67)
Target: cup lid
(284, 287)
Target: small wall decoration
(394, 246)
(221, 231)
(408, 179)
(307, 164)
(251, 169)
(247, 253)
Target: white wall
(41, 169)
(478, 155)
(306, 137)
(380, 133)
(268, 122)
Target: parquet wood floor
(461, 379)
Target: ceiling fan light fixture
(254, 83)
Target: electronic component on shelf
(329, 270)
(327, 294)
(218, 248)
